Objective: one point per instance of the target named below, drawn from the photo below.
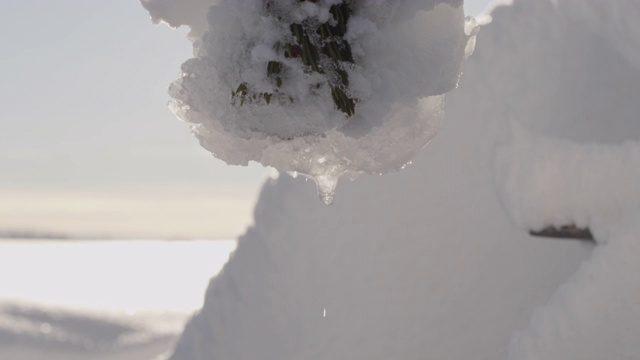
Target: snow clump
(324, 88)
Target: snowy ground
(100, 299)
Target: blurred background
(87, 144)
(88, 147)
(90, 160)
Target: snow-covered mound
(426, 263)
(320, 88)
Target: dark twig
(564, 232)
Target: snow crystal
(250, 97)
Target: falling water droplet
(45, 328)
(327, 199)
(324, 312)
(326, 186)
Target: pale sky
(87, 144)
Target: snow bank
(574, 151)
(256, 92)
(597, 314)
(558, 75)
(553, 182)
(425, 263)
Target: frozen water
(249, 96)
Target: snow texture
(596, 315)
(426, 263)
(548, 181)
(406, 55)
(574, 153)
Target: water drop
(326, 186)
(327, 199)
(405, 165)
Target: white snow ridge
(428, 262)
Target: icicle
(471, 29)
(326, 186)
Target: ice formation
(324, 88)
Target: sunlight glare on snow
(123, 276)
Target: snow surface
(548, 181)
(596, 315)
(427, 263)
(407, 54)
